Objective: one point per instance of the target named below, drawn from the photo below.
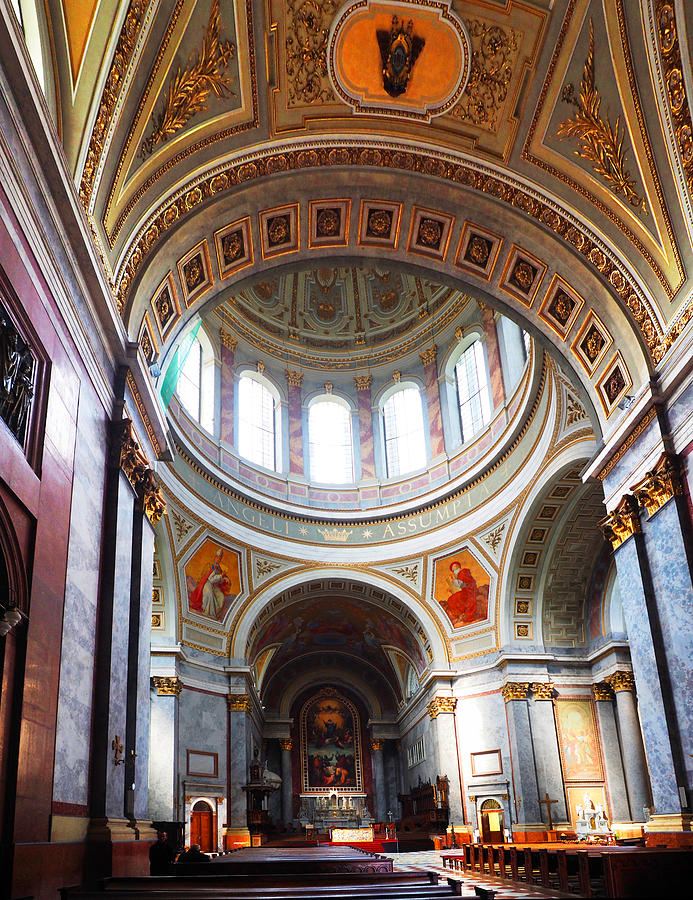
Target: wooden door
(201, 829)
(492, 827)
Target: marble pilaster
(363, 396)
(613, 750)
(379, 785)
(286, 746)
(239, 708)
(547, 755)
(435, 415)
(163, 772)
(522, 750)
(632, 748)
(294, 381)
(228, 347)
(442, 711)
(493, 355)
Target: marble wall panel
(143, 663)
(615, 777)
(202, 726)
(71, 775)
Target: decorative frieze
(238, 702)
(515, 690)
(602, 691)
(543, 690)
(169, 686)
(621, 681)
(659, 485)
(623, 522)
(441, 705)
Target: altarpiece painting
(330, 744)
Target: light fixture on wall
(9, 619)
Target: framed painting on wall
(578, 740)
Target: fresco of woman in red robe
(461, 587)
(461, 604)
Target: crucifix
(547, 801)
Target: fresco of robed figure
(460, 585)
(213, 580)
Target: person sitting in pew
(194, 854)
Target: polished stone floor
(430, 860)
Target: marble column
(635, 764)
(228, 348)
(528, 812)
(660, 647)
(239, 709)
(286, 746)
(547, 755)
(363, 395)
(294, 381)
(380, 811)
(163, 801)
(435, 416)
(493, 355)
(443, 725)
(615, 777)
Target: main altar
(335, 811)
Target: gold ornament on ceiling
(601, 143)
(399, 50)
(189, 92)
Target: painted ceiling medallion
(409, 59)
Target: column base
(109, 830)
(115, 849)
(674, 830)
(236, 837)
(144, 830)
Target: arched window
(330, 443)
(195, 386)
(258, 406)
(473, 390)
(405, 443)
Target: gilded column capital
(377, 744)
(659, 485)
(441, 705)
(238, 702)
(515, 690)
(602, 691)
(363, 382)
(127, 452)
(621, 681)
(543, 690)
(286, 743)
(153, 501)
(623, 522)
(227, 339)
(168, 686)
(294, 378)
(429, 355)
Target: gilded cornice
(623, 522)
(465, 173)
(441, 705)
(602, 691)
(515, 690)
(167, 686)
(659, 485)
(621, 681)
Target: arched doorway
(492, 825)
(202, 826)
